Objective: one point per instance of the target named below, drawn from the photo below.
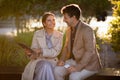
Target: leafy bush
(115, 26)
(115, 34)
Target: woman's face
(50, 22)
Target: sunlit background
(102, 26)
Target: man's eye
(48, 20)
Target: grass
(10, 53)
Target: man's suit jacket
(84, 48)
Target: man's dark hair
(72, 10)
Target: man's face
(68, 19)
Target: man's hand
(71, 69)
(60, 63)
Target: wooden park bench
(10, 73)
(104, 74)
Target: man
(79, 57)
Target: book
(26, 48)
(31, 53)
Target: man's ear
(74, 17)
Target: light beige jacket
(84, 48)
(39, 41)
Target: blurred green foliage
(10, 53)
(18, 9)
(115, 26)
(38, 7)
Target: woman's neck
(49, 31)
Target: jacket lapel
(41, 39)
(77, 33)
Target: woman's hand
(37, 53)
(27, 52)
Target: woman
(47, 44)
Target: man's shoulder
(86, 26)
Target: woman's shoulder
(39, 31)
(58, 33)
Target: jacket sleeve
(55, 51)
(35, 44)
